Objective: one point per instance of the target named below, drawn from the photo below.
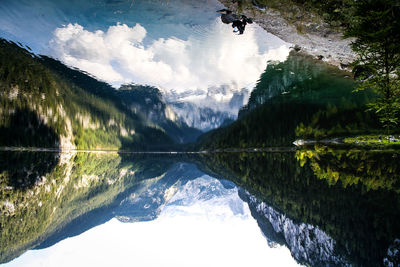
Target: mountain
(171, 193)
(70, 193)
(299, 98)
(203, 118)
(44, 103)
(207, 110)
(148, 103)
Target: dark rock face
(148, 102)
(307, 243)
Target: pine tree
(376, 28)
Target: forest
(300, 98)
(46, 104)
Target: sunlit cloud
(212, 57)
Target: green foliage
(97, 139)
(21, 170)
(375, 170)
(25, 127)
(375, 25)
(374, 141)
(337, 13)
(298, 98)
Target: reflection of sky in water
(34, 21)
(177, 44)
(203, 224)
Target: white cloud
(211, 57)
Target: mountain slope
(299, 98)
(148, 103)
(43, 103)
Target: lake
(313, 206)
(84, 84)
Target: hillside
(148, 103)
(43, 103)
(297, 99)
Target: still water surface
(313, 206)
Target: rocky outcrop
(307, 243)
(393, 254)
(316, 39)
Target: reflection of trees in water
(363, 223)
(373, 169)
(24, 128)
(25, 169)
(68, 188)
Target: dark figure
(227, 16)
(241, 24)
(238, 24)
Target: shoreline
(318, 41)
(225, 150)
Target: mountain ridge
(47, 104)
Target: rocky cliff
(308, 32)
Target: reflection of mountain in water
(363, 223)
(147, 201)
(183, 188)
(166, 37)
(319, 223)
(307, 243)
(62, 191)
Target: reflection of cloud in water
(181, 46)
(211, 57)
(204, 224)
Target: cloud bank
(212, 56)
